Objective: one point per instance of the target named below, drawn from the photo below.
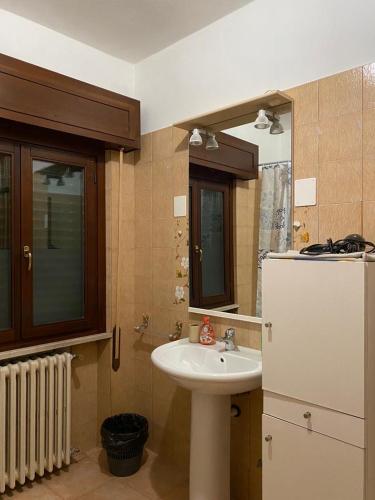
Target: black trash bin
(123, 438)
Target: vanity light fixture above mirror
(196, 139)
(268, 119)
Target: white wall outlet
(179, 206)
(305, 192)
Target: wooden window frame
(25, 143)
(199, 178)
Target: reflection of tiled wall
(246, 237)
(333, 141)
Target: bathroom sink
(212, 375)
(208, 370)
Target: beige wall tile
(127, 206)
(163, 233)
(163, 293)
(162, 265)
(340, 181)
(340, 94)
(180, 175)
(143, 262)
(162, 203)
(369, 179)
(305, 159)
(143, 232)
(369, 134)
(341, 139)
(143, 204)
(143, 376)
(143, 176)
(85, 397)
(337, 221)
(305, 103)
(369, 86)
(126, 316)
(369, 220)
(161, 321)
(162, 144)
(145, 153)
(180, 142)
(143, 292)
(104, 410)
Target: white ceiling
(128, 29)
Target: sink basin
(206, 369)
(212, 375)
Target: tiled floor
(88, 479)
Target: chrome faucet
(228, 339)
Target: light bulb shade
(195, 139)
(211, 143)
(262, 121)
(276, 127)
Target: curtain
(275, 216)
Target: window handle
(197, 249)
(29, 256)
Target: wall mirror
(240, 194)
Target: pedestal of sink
(212, 375)
(210, 447)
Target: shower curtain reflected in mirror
(275, 216)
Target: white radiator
(35, 416)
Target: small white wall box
(179, 206)
(305, 192)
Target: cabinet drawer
(316, 418)
(299, 464)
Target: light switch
(179, 206)
(305, 192)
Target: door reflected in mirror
(240, 210)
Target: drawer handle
(268, 324)
(268, 438)
(307, 415)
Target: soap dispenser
(207, 334)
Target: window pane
(58, 242)
(212, 241)
(5, 242)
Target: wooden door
(299, 464)
(314, 350)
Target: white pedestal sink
(212, 375)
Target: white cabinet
(314, 349)
(318, 342)
(299, 464)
